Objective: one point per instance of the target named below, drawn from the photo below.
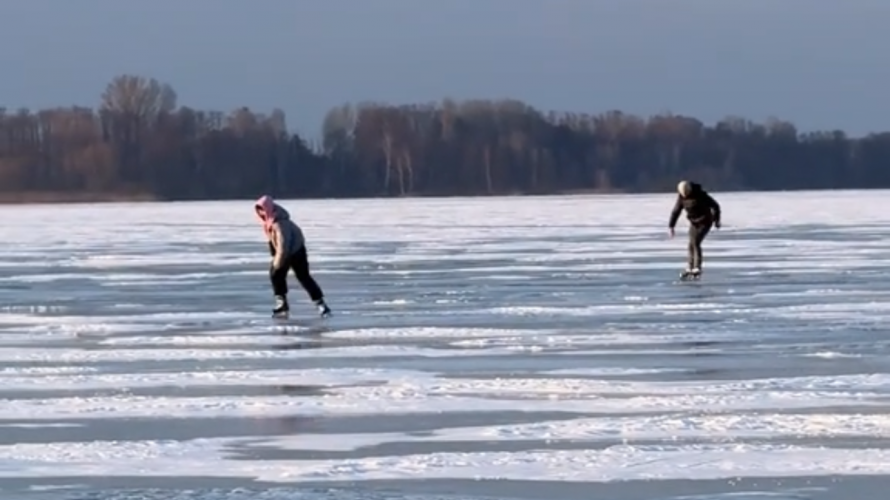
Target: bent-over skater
(287, 245)
(702, 211)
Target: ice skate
(323, 310)
(281, 307)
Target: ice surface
(617, 463)
(539, 339)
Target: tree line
(140, 142)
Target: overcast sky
(818, 63)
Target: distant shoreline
(62, 197)
(444, 148)
(50, 197)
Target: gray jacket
(285, 238)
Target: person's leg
(700, 233)
(300, 266)
(278, 277)
(691, 247)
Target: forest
(140, 143)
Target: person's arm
(675, 212)
(715, 209)
(277, 242)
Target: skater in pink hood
(288, 248)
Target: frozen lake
(534, 348)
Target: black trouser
(299, 263)
(697, 233)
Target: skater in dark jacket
(702, 211)
(287, 245)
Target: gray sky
(818, 63)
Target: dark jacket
(701, 208)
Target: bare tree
(139, 142)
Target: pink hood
(265, 210)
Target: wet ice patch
(611, 371)
(40, 425)
(587, 386)
(626, 308)
(44, 372)
(14, 380)
(423, 333)
(670, 428)
(219, 339)
(213, 458)
(156, 259)
(376, 400)
(562, 339)
(393, 302)
(848, 312)
(619, 463)
(831, 355)
(281, 351)
(144, 322)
